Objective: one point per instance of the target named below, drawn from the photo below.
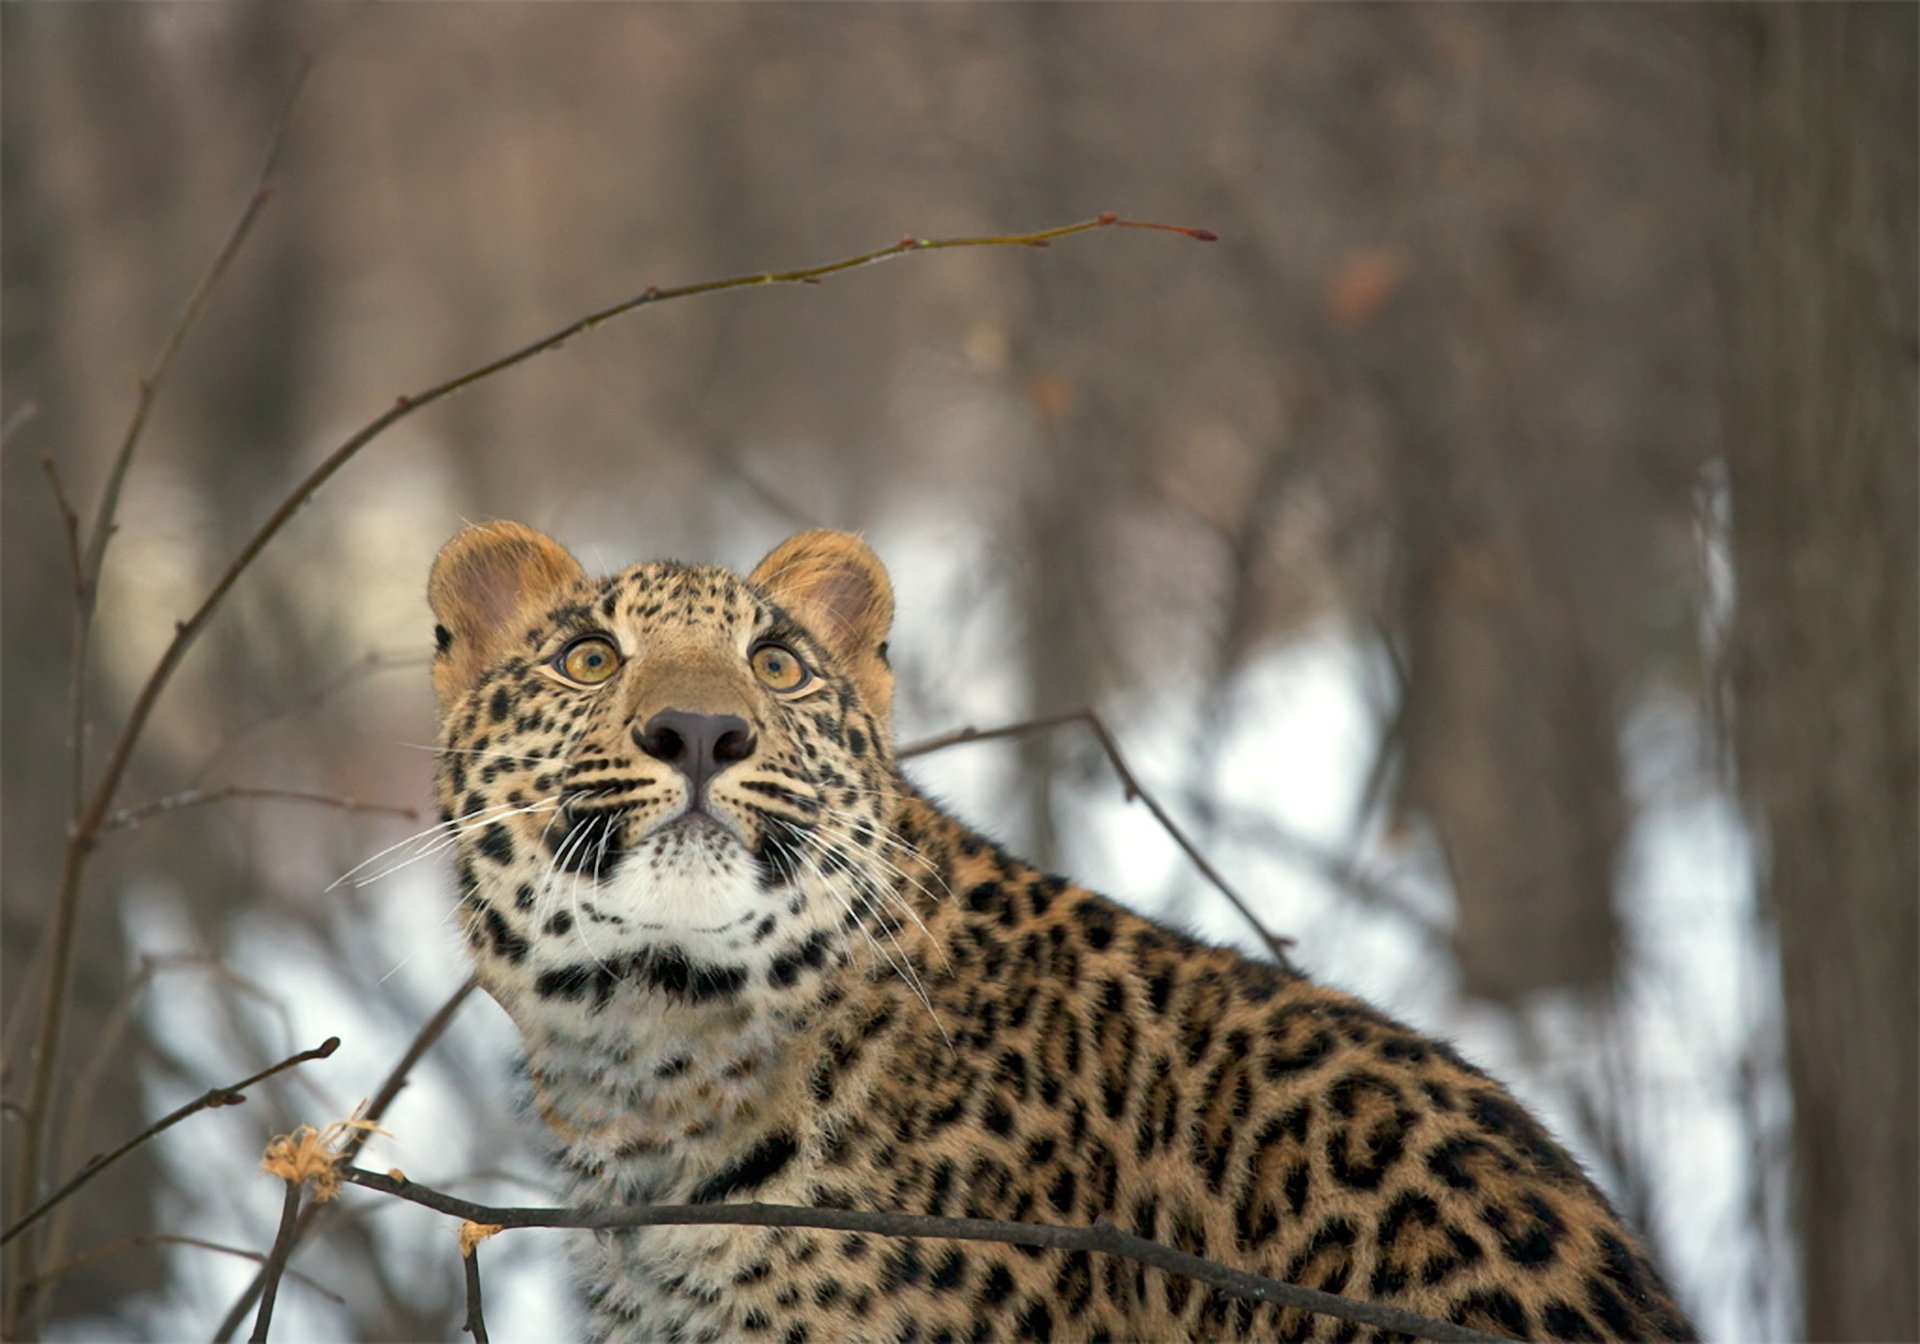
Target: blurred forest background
(1499, 548)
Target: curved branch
(1277, 944)
(476, 1318)
(188, 631)
(84, 820)
(212, 1097)
(1102, 1238)
(423, 1040)
(277, 1261)
(133, 816)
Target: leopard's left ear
(836, 585)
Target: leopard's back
(1088, 1065)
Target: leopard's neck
(648, 1096)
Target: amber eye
(589, 660)
(779, 668)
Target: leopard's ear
(486, 583)
(835, 585)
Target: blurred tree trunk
(1824, 501)
(1065, 507)
(1509, 725)
(122, 138)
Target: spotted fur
(827, 991)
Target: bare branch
(961, 736)
(69, 524)
(156, 375)
(86, 826)
(396, 1080)
(77, 643)
(476, 1324)
(213, 1097)
(1334, 867)
(1102, 1238)
(81, 1092)
(188, 630)
(276, 1262)
(436, 1027)
(133, 816)
(1130, 783)
(81, 828)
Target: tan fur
(487, 584)
(836, 585)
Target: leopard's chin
(691, 875)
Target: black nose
(699, 746)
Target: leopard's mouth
(696, 819)
(597, 836)
(694, 827)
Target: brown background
(1555, 371)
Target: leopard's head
(670, 787)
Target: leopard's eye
(589, 660)
(779, 668)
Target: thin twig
(1133, 789)
(961, 736)
(276, 1262)
(396, 1080)
(83, 823)
(76, 658)
(156, 375)
(1337, 868)
(69, 524)
(133, 816)
(187, 631)
(434, 1029)
(1102, 1238)
(211, 1098)
(111, 1249)
(476, 1319)
(81, 1092)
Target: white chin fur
(690, 884)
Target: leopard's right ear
(487, 583)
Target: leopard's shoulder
(1089, 1064)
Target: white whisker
(435, 834)
(872, 897)
(473, 751)
(902, 968)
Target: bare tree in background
(1824, 511)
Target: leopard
(749, 960)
